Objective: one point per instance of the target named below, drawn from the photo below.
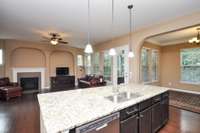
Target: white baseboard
(186, 91)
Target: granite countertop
(62, 111)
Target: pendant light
(88, 48)
(112, 51)
(130, 54)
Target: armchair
(9, 89)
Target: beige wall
(170, 67)
(61, 59)
(32, 54)
(27, 57)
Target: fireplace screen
(29, 83)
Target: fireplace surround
(30, 73)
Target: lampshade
(88, 49)
(131, 54)
(112, 52)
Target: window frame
(150, 64)
(88, 64)
(182, 65)
(1, 64)
(157, 64)
(149, 81)
(96, 63)
(79, 56)
(106, 53)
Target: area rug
(187, 101)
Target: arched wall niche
(61, 59)
(27, 57)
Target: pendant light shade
(131, 53)
(88, 47)
(112, 52)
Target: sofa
(91, 81)
(9, 89)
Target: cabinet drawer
(156, 99)
(128, 112)
(145, 104)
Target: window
(154, 65)
(96, 59)
(79, 60)
(120, 63)
(190, 65)
(1, 56)
(145, 65)
(107, 66)
(149, 65)
(88, 63)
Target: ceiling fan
(54, 39)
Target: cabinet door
(165, 111)
(145, 121)
(156, 117)
(129, 125)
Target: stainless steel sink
(123, 96)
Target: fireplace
(29, 83)
(21, 72)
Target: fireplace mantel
(17, 70)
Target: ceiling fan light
(88, 49)
(54, 42)
(131, 54)
(112, 52)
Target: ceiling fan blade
(63, 42)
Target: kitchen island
(66, 110)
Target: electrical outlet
(170, 83)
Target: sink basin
(123, 96)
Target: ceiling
(30, 19)
(174, 37)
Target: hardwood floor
(22, 116)
(182, 121)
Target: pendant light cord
(88, 21)
(130, 30)
(112, 20)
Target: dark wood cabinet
(145, 117)
(129, 125)
(165, 111)
(145, 121)
(156, 117)
(62, 83)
